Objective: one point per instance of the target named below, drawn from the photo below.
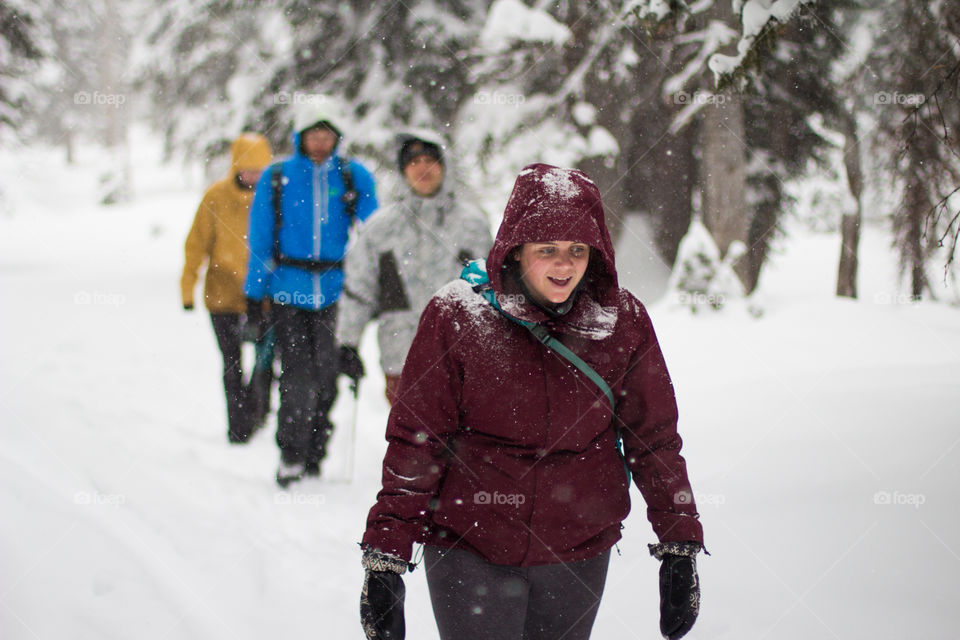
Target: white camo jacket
(403, 255)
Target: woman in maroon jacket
(503, 457)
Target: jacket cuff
(388, 542)
(688, 549)
(673, 527)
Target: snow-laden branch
(755, 17)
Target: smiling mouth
(560, 282)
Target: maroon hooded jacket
(499, 445)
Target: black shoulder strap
(276, 182)
(350, 194)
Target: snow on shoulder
(458, 301)
(460, 294)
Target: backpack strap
(540, 333)
(276, 184)
(350, 193)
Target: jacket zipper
(319, 216)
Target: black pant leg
(298, 382)
(226, 326)
(564, 599)
(327, 367)
(261, 378)
(473, 599)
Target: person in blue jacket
(300, 220)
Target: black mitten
(679, 587)
(381, 601)
(350, 363)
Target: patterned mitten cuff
(377, 561)
(689, 549)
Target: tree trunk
(115, 180)
(850, 225)
(69, 147)
(612, 188)
(917, 206)
(670, 190)
(850, 239)
(723, 176)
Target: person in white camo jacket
(405, 253)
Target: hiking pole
(354, 387)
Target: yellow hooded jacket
(219, 232)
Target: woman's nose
(564, 260)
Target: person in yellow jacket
(219, 238)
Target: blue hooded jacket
(315, 227)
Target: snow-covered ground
(821, 440)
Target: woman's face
(552, 270)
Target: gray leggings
(475, 600)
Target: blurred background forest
(730, 114)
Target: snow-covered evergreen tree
(702, 278)
(21, 48)
(209, 70)
(619, 89)
(914, 69)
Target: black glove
(254, 320)
(381, 601)
(188, 306)
(350, 363)
(679, 587)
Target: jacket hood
(249, 152)
(318, 108)
(550, 203)
(428, 136)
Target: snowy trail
(821, 440)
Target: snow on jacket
(401, 258)
(315, 227)
(219, 232)
(499, 445)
